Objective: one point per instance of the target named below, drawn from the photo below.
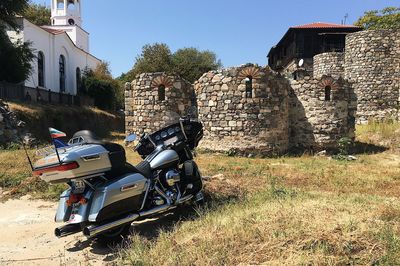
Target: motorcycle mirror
(131, 138)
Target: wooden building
(306, 41)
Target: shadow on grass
(357, 148)
(367, 148)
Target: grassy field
(288, 210)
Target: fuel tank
(119, 196)
(164, 159)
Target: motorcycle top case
(91, 159)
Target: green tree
(190, 63)
(38, 14)
(100, 85)
(15, 57)
(387, 18)
(154, 58)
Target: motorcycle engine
(172, 177)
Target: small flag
(55, 134)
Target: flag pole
(55, 147)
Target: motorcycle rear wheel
(116, 235)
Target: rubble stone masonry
(154, 100)
(372, 66)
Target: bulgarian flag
(55, 134)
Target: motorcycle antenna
(27, 155)
(19, 125)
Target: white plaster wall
(52, 47)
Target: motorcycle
(106, 193)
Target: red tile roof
(53, 31)
(323, 25)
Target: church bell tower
(66, 13)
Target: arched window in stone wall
(161, 82)
(40, 69)
(249, 74)
(328, 86)
(249, 87)
(328, 92)
(161, 92)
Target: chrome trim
(128, 187)
(67, 230)
(148, 182)
(93, 230)
(91, 157)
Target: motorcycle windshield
(169, 128)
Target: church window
(78, 79)
(249, 87)
(327, 93)
(71, 4)
(62, 73)
(161, 92)
(40, 59)
(60, 4)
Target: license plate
(74, 213)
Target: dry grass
(36, 109)
(289, 211)
(291, 228)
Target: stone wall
(8, 126)
(235, 120)
(373, 68)
(147, 110)
(315, 121)
(329, 64)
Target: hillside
(66, 118)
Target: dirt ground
(27, 238)
(27, 235)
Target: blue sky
(237, 31)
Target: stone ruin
(154, 100)
(252, 109)
(247, 109)
(244, 109)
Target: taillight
(74, 198)
(57, 168)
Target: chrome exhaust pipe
(93, 230)
(67, 230)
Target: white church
(62, 49)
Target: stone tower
(154, 100)
(66, 12)
(372, 66)
(244, 109)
